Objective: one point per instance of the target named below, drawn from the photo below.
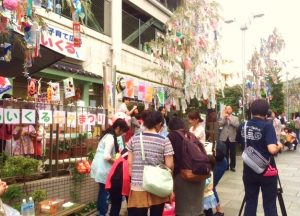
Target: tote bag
(158, 179)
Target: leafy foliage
(277, 102)
(20, 166)
(13, 196)
(232, 95)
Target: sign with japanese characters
(45, 117)
(62, 41)
(1, 115)
(71, 119)
(91, 119)
(28, 116)
(11, 116)
(59, 117)
(82, 118)
(101, 119)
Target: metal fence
(56, 135)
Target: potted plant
(78, 147)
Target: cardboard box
(50, 206)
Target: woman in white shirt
(104, 158)
(197, 127)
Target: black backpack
(195, 165)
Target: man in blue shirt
(260, 134)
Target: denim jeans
(102, 205)
(253, 183)
(219, 171)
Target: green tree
(232, 95)
(277, 102)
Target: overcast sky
(283, 14)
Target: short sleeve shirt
(260, 134)
(156, 147)
(123, 108)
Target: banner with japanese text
(129, 90)
(141, 91)
(149, 93)
(62, 41)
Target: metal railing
(56, 135)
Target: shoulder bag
(253, 158)
(158, 179)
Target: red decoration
(76, 34)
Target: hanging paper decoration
(58, 7)
(141, 91)
(4, 84)
(69, 87)
(29, 8)
(10, 4)
(49, 5)
(129, 90)
(160, 92)
(6, 50)
(77, 13)
(37, 3)
(149, 94)
(55, 91)
(49, 94)
(76, 34)
(3, 24)
(192, 52)
(32, 87)
(121, 85)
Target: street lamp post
(243, 29)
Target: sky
(282, 14)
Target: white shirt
(123, 108)
(199, 132)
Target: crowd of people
(152, 138)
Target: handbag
(271, 171)
(253, 158)
(158, 179)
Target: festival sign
(1, 115)
(141, 91)
(149, 94)
(11, 116)
(129, 90)
(62, 41)
(69, 88)
(45, 117)
(59, 117)
(28, 116)
(71, 119)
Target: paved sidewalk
(231, 189)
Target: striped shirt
(156, 147)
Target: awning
(14, 68)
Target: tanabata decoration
(10, 4)
(189, 54)
(264, 65)
(83, 167)
(32, 87)
(69, 87)
(129, 90)
(55, 91)
(76, 34)
(49, 94)
(121, 85)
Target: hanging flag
(32, 87)
(129, 90)
(161, 95)
(55, 91)
(76, 34)
(141, 91)
(149, 94)
(49, 94)
(4, 84)
(69, 87)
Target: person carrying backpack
(188, 193)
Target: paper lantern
(10, 4)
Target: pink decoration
(10, 4)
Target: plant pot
(78, 151)
(63, 155)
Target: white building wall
(99, 48)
